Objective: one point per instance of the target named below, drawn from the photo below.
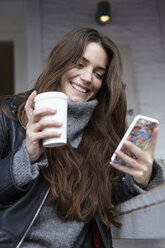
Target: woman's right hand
(35, 128)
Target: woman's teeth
(79, 88)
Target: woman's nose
(86, 75)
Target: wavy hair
(81, 180)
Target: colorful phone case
(139, 133)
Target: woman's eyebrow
(87, 61)
(84, 59)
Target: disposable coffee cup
(58, 101)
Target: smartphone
(139, 133)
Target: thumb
(153, 140)
(29, 104)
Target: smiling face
(83, 82)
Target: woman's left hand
(140, 168)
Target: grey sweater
(49, 230)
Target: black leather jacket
(20, 206)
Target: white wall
(137, 25)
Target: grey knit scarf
(79, 114)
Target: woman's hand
(140, 168)
(35, 128)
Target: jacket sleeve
(10, 141)
(121, 192)
(16, 172)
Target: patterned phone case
(139, 133)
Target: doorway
(6, 67)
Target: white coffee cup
(58, 101)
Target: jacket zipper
(35, 216)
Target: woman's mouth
(79, 88)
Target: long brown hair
(81, 180)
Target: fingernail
(112, 163)
(58, 133)
(59, 124)
(118, 152)
(126, 142)
(34, 92)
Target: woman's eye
(100, 76)
(80, 65)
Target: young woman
(65, 196)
